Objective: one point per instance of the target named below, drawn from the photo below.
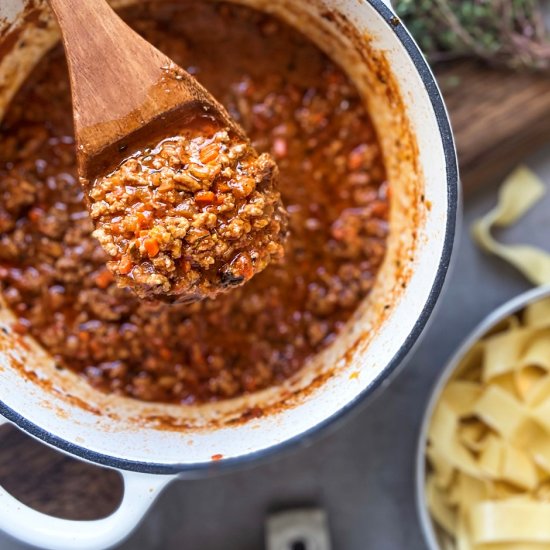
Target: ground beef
(295, 104)
(194, 216)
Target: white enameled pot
(153, 444)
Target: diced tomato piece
(185, 265)
(35, 214)
(379, 209)
(356, 159)
(242, 266)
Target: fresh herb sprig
(501, 32)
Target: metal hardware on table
(299, 529)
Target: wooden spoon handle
(120, 83)
(94, 36)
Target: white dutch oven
(151, 444)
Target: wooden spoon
(124, 90)
(128, 96)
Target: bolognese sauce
(192, 217)
(296, 105)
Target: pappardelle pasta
(488, 451)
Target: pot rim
(452, 182)
(510, 307)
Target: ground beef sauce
(196, 215)
(294, 104)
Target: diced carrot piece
(116, 228)
(143, 219)
(104, 279)
(125, 265)
(166, 186)
(155, 179)
(223, 187)
(152, 247)
(205, 197)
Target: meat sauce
(196, 215)
(296, 105)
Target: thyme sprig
(501, 32)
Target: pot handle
(48, 532)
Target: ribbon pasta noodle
(488, 451)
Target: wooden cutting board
(498, 117)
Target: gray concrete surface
(363, 472)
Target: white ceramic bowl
(491, 321)
(370, 43)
